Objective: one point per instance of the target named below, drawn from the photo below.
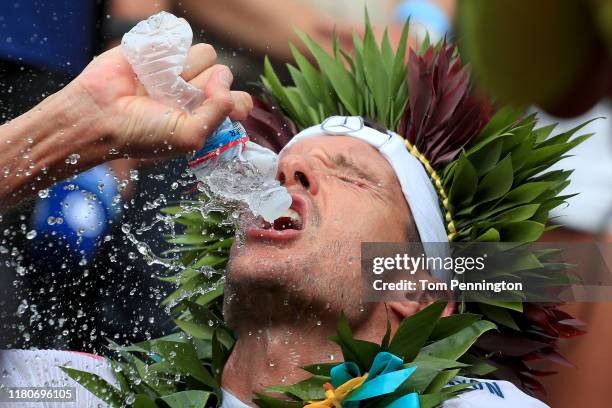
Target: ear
(407, 308)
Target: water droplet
(31, 234)
(44, 193)
(73, 158)
(130, 399)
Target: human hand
(131, 123)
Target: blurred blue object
(56, 34)
(426, 15)
(72, 216)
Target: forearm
(137, 9)
(51, 142)
(262, 25)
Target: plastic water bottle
(239, 170)
(229, 164)
(157, 48)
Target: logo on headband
(337, 125)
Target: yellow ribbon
(334, 397)
(450, 224)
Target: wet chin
(256, 266)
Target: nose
(294, 171)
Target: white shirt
(40, 368)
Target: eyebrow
(346, 163)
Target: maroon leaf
(268, 127)
(442, 115)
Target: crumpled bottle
(229, 164)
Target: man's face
(344, 193)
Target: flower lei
(410, 369)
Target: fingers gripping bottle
(230, 165)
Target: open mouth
(287, 226)
(290, 220)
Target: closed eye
(352, 181)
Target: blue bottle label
(228, 135)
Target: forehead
(357, 151)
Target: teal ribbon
(385, 376)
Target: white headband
(414, 180)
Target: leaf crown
(491, 171)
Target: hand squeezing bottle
(230, 165)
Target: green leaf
(464, 183)
(265, 401)
(184, 359)
(516, 214)
(220, 354)
(387, 337)
(547, 153)
(434, 400)
(523, 231)
(450, 325)
(398, 73)
(97, 386)
(455, 346)
(187, 399)
(428, 367)
(204, 315)
(306, 390)
(387, 50)
(541, 134)
(499, 315)
(528, 192)
(209, 260)
(441, 379)
(359, 351)
(323, 369)
(187, 289)
(414, 331)
(490, 235)
(376, 75)
(340, 79)
(477, 366)
(503, 118)
(302, 86)
(197, 330)
(561, 138)
(144, 401)
(497, 182)
(517, 306)
(272, 82)
(485, 159)
(425, 44)
(519, 134)
(211, 296)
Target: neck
(272, 354)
